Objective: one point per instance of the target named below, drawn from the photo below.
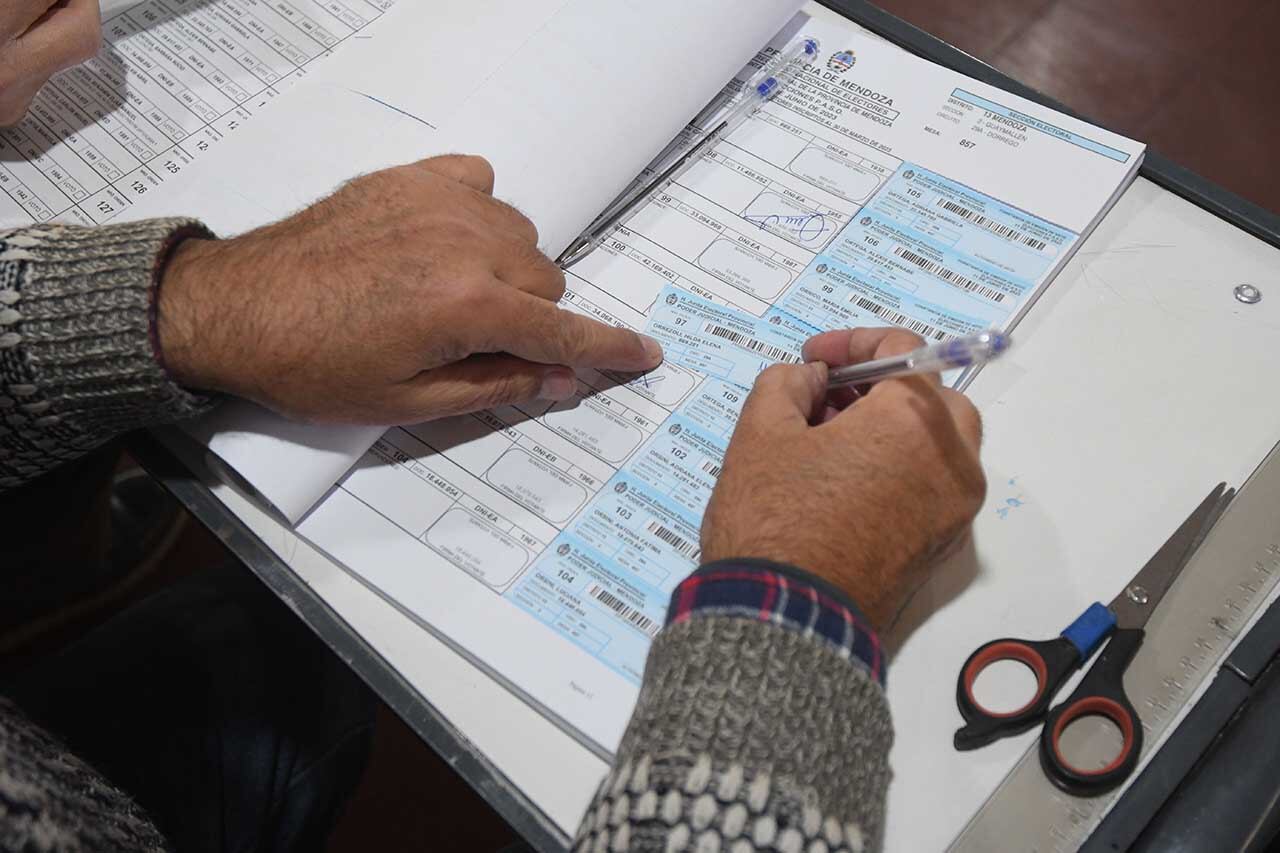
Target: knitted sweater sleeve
(78, 364)
(761, 725)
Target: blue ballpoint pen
(775, 77)
(948, 355)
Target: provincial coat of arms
(842, 61)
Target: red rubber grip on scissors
(1051, 661)
(1100, 693)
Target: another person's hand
(867, 497)
(39, 38)
(410, 294)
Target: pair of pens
(776, 77)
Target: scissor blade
(1139, 599)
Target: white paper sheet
(283, 463)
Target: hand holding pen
(903, 459)
(952, 354)
(856, 367)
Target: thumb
(786, 397)
(467, 169)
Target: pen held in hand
(948, 355)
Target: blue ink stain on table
(1010, 503)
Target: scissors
(1101, 691)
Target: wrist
(183, 321)
(780, 594)
(849, 568)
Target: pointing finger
(537, 330)
(477, 383)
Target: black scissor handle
(1101, 693)
(1052, 661)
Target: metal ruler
(1227, 579)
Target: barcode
(994, 227)
(898, 318)
(949, 275)
(754, 344)
(675, 540)
(712, 468)
(626, 611)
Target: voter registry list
(173, 79)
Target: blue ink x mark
(808, 227)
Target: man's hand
(867, 497)
(410, 294)
(39, 38)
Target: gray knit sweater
(750, 733)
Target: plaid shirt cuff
(773, 592)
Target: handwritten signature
(808, 226)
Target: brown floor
(1193, 80)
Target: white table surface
(1137, 381)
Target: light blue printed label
(715, 409)
(777, 317)
(605, 581)
(719, 340)
(1033, 123)
(681, 462)
(930, 255)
